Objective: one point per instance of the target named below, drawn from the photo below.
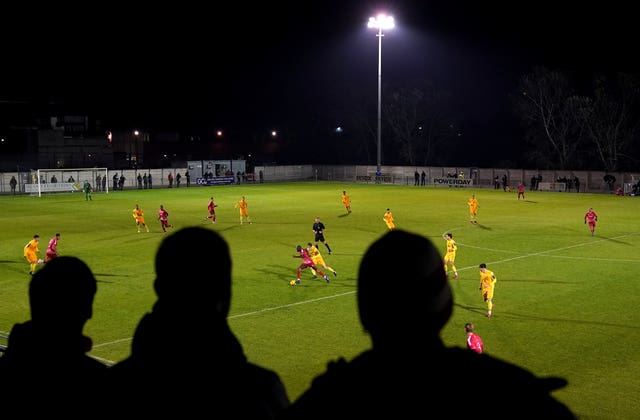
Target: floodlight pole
(379, 161)
(380, 22)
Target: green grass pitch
(566, 303)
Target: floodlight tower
(380, 22)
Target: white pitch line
(488, 249)
(533, 254)
(594, 259)
(242, 315)
(108, 343)
(290, 305)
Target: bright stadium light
(380, 22)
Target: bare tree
(609, 120)
(417, 121)
(544, 105)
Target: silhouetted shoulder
(45, 367)
(184, 357)
(375, 385)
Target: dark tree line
(595, 128)
(563, 124)
(417, 123)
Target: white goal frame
(552, 186)
(40, 180)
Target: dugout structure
(44, 181)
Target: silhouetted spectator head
(193, 272)
(402, 286)
(62, 293)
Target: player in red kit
(474, 342)
(52, 248)
(520, 190)
(212, 211)
(307, 262)
(591, 217)
(163, 217)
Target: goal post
(44, 181)
(552, 186)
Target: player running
(138, 216)
(487, 284)
(318, 259)
(163, 217)
(450, 255)
(591, 217)
(211, 207)
(307, 262)
(52, 248)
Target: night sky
(250, 67)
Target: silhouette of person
(45, 362)
(409, 370)
(13, 182)
(194, 377)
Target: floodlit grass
(566, 302)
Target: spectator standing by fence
(13, 182)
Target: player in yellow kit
(138, 215)
(31, 253)
(244, 213)
(346, 201)
(473, 209)
(318, 259)
(388, 219)
(487, 283)
(450, 255)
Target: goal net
(552, 186)
(44, 181)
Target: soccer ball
(40, 261)
(292, 283)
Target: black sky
(256, 65)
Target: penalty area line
(534, 254)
